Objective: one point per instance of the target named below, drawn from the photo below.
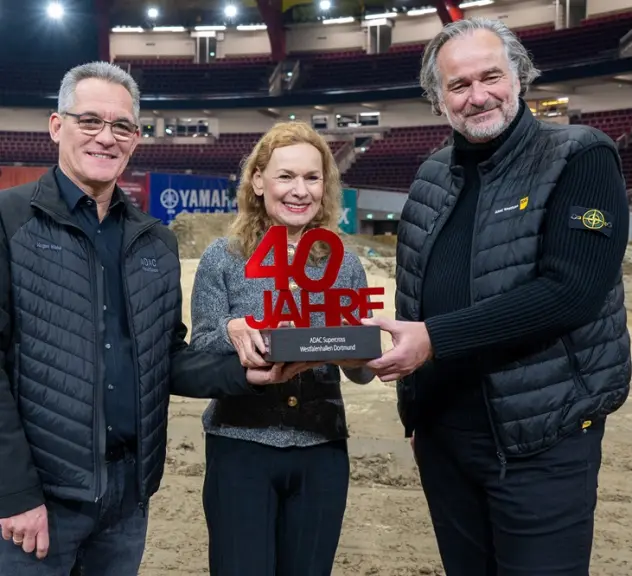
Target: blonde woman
(277, 467)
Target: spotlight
(325, 5)
(55, 10)
(230, 11)
(152, 13)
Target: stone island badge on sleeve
(591, 219)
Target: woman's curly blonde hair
(252, 220)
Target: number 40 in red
(282, 270)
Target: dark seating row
(594, 39)
(221, 158)
(391, 162)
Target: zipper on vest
(503, 464)
(99, 450)
(132, 333)
(499, 451)
(130, 324)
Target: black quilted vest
(549, 392)
(56, 361)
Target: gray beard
(486, 133)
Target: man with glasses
(91, 346)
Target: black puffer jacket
(52, 431)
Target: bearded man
(510, 345)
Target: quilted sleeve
(210, 307)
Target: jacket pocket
(580, 385)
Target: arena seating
(595, 39)
(331, 70)
(167, 77)
(615, 123)
(391, 162)
(34, 148)
(221, 158)
(612, 122)
(234, 76)
(171, 62)
(30, 77)
(626, 158)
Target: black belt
(116, 453)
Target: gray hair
(102, 71)
(519, 59)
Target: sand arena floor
(387, 528)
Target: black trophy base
(322, 344)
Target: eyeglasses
(92, 125)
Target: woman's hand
(248, 342)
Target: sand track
(387, 530)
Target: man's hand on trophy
(248, 342)
(277, 373)
(411, 348)
(351, 364)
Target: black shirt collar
(73, 195)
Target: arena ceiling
(201, 12)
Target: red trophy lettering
(343, 336)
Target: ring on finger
(18, 542)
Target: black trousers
(274, 511)
(536, 521)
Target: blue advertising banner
(349, 216)
(170, 194)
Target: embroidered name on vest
(44, 246)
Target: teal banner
(349, 216)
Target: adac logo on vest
(149, 264)
(591, 219)
(522, 205)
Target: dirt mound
(371, 246)
(196, 231)
(383, 470)
(379, 267)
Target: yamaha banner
(349, 215)
(171, 194)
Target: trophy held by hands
(343, 337)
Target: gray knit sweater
(221, 293)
